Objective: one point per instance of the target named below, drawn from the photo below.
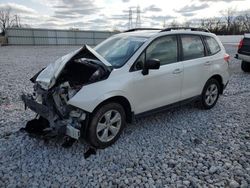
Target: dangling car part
(55, 85)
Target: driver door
(160, 87)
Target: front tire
(210, 94)
(106, 125)
(245, 66)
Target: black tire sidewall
(92, 137)
(203, 95)
(245, 66)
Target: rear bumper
(243, 57)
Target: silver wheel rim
(108, 126)
(211, 94)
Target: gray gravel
(182, 147)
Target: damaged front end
(55, 85)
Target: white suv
(92, 93)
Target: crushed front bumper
(70, 126)
(40, 109)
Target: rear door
(197, 66)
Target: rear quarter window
(212, 45)
(192, 47)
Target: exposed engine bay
(81, 71)
(55, 85)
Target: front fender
(88, 101)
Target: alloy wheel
(211, 94)
(108, 126)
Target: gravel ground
(182, 147)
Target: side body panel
(219, 66)
(158, 88)
(90, 96)
(196, 73)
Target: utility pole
(130, 19)
(164, 22)
(138, 17)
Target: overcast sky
(113, 14)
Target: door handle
(207, 63)
(177, 71)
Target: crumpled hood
(48, 76)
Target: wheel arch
(220, 80)
(123, 101)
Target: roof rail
(140, 29)
(185, 28)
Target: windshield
(117, 50)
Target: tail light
(226, 57)
(240, 44)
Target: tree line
(230, 23)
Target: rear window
(212, 44)
(192, 47)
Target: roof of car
(151, 32)
(147, 33)
(141, 33)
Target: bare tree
(187, 24)
(212, 24)
(4, 19)
(229, 16)
(246, 22)
(174, 23)
(16, 21)
(8, 20)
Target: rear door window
(212, 45)
(192, 47)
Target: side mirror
(150, 64)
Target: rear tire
(210, 94)
(106, 125)
(245, 66)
